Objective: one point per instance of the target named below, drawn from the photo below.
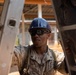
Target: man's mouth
(36, 40)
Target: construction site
(15, 19)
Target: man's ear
(49, 34)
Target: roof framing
(44, 2)
(31, 9)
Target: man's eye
(38, 31)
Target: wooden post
(23, 30)
(39, 10)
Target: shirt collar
(47, 56)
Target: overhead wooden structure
(31, 9)
(1, 1)
(47, 2)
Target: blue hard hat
(40, 23)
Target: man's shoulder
(59, 56)
(56, 52)
(21, 48)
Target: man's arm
(18, 57)
(61, 63)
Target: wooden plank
(1, 1)
(72, 27)
(44, 2)
(23, 30)
(34, 16)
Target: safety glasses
(38, 32)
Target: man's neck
(41, 50)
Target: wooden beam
(23, 30)
(44, 16)
(1, 1)
(46, 2)
(49, 16)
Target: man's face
(39, 37)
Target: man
(38, 59)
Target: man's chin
(37, 45)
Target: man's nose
(36, 35)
